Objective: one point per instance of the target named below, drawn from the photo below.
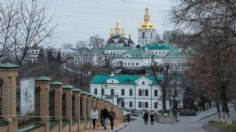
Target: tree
(67, 46)
(96, 42)
(7, 22)
(81, 44)
(25, 25)
(41, 57)
(212, 25)
(50, 56)
(58, 59)
(174, 36)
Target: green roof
(123, 79)
(114, 47)
(76, 90)
(42, 78)
(137, 53)
(158, 46)
(56, 83)
(67, 86)
(89, 94)
(178, 53)
(8, 66)
(83, 92)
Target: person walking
(112, 117)
(104, 115)
(128, 117)
(94, 117)
(152, 114)
(145, 117)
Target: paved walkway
(101, 129)
(186, 123)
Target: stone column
(94, 102)
(76, 93)
(98, 102)
(67, 90)
(89, 107)
(8, 73)
(84, 106)
(42, 83)
(57, 87)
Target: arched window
(143, 35)
(151, 35)
(95, 91)
(122, 103)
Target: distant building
(32, 55)
(131, 92)
(147, 31)
(117, 37)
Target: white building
(147, 31)
(32, 55)
(131, 92)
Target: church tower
(147, 31)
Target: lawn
(223, 126)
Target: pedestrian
(152, 114)
(112, 117)
(145, 117)
(94, 116)
(104, 115)
(128, 117)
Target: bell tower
(147, 31)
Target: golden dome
(147, 24)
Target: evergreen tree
(41, 57)
(58, 59)
(50, 57)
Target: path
(186, 123)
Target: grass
(223, 126)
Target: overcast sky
(79, 19)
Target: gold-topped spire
(122, 33)
(146, 16)
(147, 24)
(117, 25)
(111, 33)
(117, 28)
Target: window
(136, 64)
(131, 92)
(95, 91)
(133, 64)
(130, 104)
(129, 64)
(112, 92)
(102, 91)
(122, 91)
(156, 105)
(143, 35)
(140, 92)
(156, 93)
(143, 82)
(122, 103)
(151, 35)
(146, 104)
(143, 104)
(146, 92)
(143, 92)
(139, 104)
